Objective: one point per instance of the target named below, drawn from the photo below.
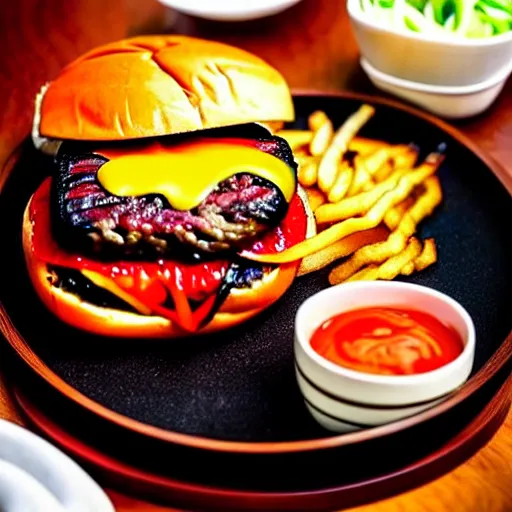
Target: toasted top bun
(159, 85)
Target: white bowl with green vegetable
(437, 42)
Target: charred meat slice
(73, 281)
(89, 219)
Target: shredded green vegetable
(449, 18)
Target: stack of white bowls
(345, 400)
(453, 78)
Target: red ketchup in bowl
(387, 341)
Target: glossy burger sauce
(387, 341)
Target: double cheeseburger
(166, 171)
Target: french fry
(315, 197)
(408, 269)
(395, 214)
(399, 156)
(359, 204)
(368, 167)
(392, 267)
(368, 185)
(368, 254)
(362, 178)
(362, 182)
(369, 273)
(302, 158)
(387, 168)
(341, 249)
(428, 255)
(407, 158)
(328, 167)
(321, 137)
(342, 183)
(376, 160)
(402, 151)
(395, 243)
(317, 119)
(428, 201)
(347, 227)
(308, 172)
(328, 170)
(364, 146)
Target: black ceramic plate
(238, 387)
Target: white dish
(331, 409)
(37, 477)
(448, 102)
(342, 399)
(230, 10)
(422, 58)
(21, 492)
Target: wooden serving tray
(115, 467)
(230, 401)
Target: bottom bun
(241, 304)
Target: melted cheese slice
(186, 173)
(109, 285)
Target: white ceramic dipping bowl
(425, 58)
(344, 400)
(230, 10)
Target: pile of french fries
(368, 197)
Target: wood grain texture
(7, 409)
(130, 478)
(312, 45)
(480, 485)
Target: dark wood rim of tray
(493, 365)
(123, 475)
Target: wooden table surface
(313, 46)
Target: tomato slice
(291, 231)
